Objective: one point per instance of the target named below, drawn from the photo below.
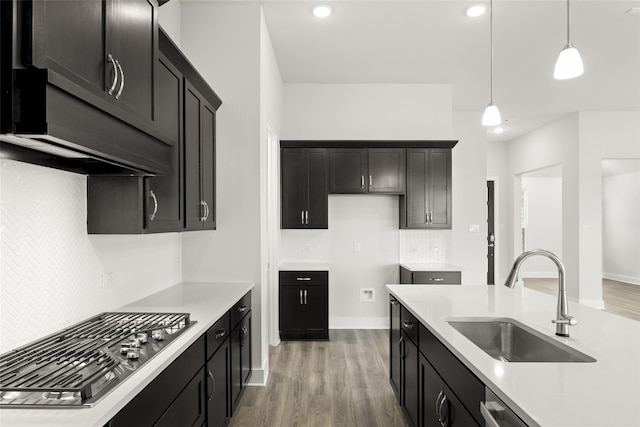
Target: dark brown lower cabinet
(188, 409)
(304, 305)
(240, 361)
(218, 386)
(394, 345)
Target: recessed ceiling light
(498, 130)
(322, 11)
(476, 10)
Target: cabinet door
(387, 170)
(292, 312)
(439, 176)
(410, 379)
(245, 350)
(131, 38)
(348, 170)
(394, 345)
(316, 300)
(416, 198)
(294, 187)
(188, 408)
(194, 206)
(235, 373)
(207, 165)
(217, 386)
(165, 198)
(67, 36)
(431, 393)
(317, 189)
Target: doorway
(491, 235)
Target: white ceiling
(424, 41)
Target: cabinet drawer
(437, 277)
(240, 309)
(409, 324)
(306, 278)
(464, 384)
(218, 333)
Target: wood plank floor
(341, 382)
(620, 298)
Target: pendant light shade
(569, 63)
(491, 116)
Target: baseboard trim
(259, 377)
(621, 278)
(358, 323)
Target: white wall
(169, 17)
(497, 169)
(51, 270)
(544, 223)
(621, 227)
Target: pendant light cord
(568, 22)
(491, 48)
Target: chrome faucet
(563, 320)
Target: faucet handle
(566, 320)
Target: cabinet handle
(220, 333)
(121, 80)
(115, 75)
(202, 218)
(302, 217)
(370, 181)
(401, 347)
(206, 210)
(394, 302)
(436, 279)
(306, 217)
(245, 332)
(408, 325)
(303, 279)
(301, 300)
(305, 297)
(430, 217)
(438, 407)
(155, 205)
(213, 387)
(242, 309)
(444, 415)
(362, 181)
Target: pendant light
(491, 116)
(569, 63)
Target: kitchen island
(602, 393)
(206, 303)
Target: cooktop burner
(79, 365)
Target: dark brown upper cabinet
(304, 188)
(85, 79)
(199, 149)
(367, 170)
(427, 203)
(172, 202)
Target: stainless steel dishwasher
(496, 413)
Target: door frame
(273, 232)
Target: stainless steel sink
(510, 341)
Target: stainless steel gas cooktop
(79, 365)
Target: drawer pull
(394, 302)
(436, 279)
(220, 333)
(303, 279)
(242, 309)
(408, 325)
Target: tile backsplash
(51, 271)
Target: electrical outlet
(474, 228)
(108, 279)
(356, 247)
(367, 295)
(306, 248)
(413, 250)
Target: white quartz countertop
(304, 266)
(429, 266)
(206, 302)
(603, 393)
